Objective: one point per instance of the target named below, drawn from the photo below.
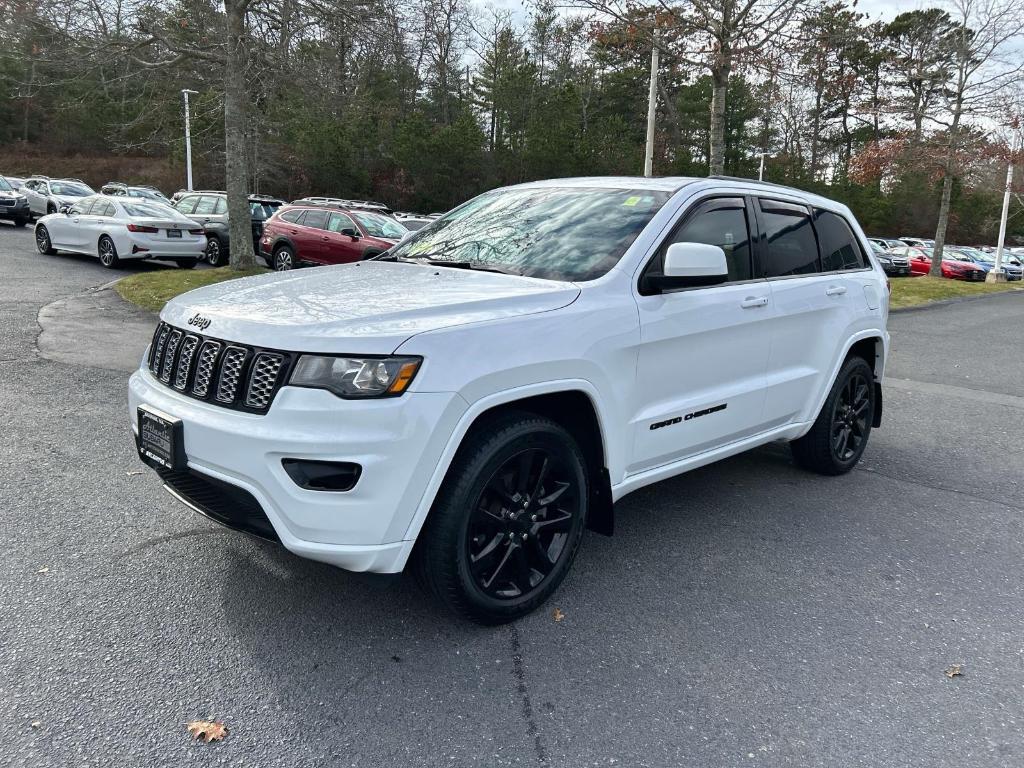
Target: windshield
(5, 186)
(149, 194)
(552, 233)
(150, 210)
(69, 189)
(380, 226)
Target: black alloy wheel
(508, 519)
(520, 524)
(850, 416)
(839, 435)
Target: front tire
(21, 222)
(215, 252)
(187, 263)
(108, 253)
(835, 443)
(508, 520)
(43, 244)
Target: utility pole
(188, 141)
(997, 275)
(760, 173)
(652, 102)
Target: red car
(323, 233)
(921, 263)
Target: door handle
(835, 290)
(754, 301)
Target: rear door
(339, 245)
(815, 304)
(311, 234)
(704, 350)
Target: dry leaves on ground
(207, 730)
(558, 614)
(955, 670)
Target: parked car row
(906, 256)
(313, 230)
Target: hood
(8, 195)
(370, 307)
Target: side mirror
(351, 232)
(65, 209)
(689, 265)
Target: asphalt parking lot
(744, 614)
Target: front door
(340, 246)
(703, 351)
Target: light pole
(997, 275)
(652, 102)
(760, 173)
(188, 140)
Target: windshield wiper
(429, 258)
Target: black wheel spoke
(516, 536)
(555, 495)
(554, 524)
(499, 568)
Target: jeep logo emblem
(200, 322)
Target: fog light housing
(323, 475)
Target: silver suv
(46, 195)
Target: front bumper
(397, 442)
(15, 212)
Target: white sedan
(119, 228)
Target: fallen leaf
(955, 670)
(44, 569)
(37, 723)
(558, 614)
(207, 730)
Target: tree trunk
(720, 79)
(235, 154)
(947, 196)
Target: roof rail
(758, 182)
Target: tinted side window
(104, 208)
(186, 204)
(83, 208)
(316, 219)
(291, 216)
(220, 206)
(839, 247)
(721, 222)
(791, 246)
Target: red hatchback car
(320, 233)
(921, 263)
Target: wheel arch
(573, 404)
(871, 345)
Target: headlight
(884, 259)
(21, 199)
(355, 377)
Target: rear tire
(108, 253)
(216, 254)
(508, 520)
(43, 244)
(835, 443)
(284, 259)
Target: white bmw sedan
(120, 228)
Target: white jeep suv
(470, 401)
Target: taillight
(140, 228)
(197, 231)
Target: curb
(956, 300)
